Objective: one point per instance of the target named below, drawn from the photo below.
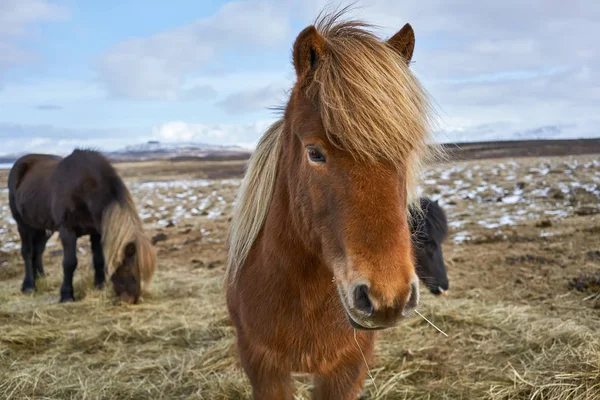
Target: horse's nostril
(361, 300)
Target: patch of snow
(456, 224)
(511, 199)
(506, 220)
(461, 237)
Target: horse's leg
(27, 254)
(268, 383)
(39, 245)
(98, 257)
(343, 383)
(69, 243)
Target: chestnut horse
(320, 250)
(80, 195)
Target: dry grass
(515, 329)
(175, 344)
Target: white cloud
(272, 95)
(199, 92)
(29, 138)
(496, 70)
(224, 134)
(500, 69)
(156, 67)
(239, 81)
(49, 91)
(11, 55)
(16, 16)
(18, 19)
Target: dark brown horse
(320, 249)
(429, 229)
(80, 195)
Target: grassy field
(524, 237)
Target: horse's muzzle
(364, 312)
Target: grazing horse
(429, 230)
(320, 252)
(80, 195)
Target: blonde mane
(371, 105)
(122, 225)
(254, 199)
(370, 102)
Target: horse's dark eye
(315, 154)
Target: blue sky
(112, 73)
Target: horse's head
(126, 278)
(358, 118)
(429, 231)
(132, 273)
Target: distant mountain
(521, 148)
(154, 146)
(485, 133)
(541, 133)
(497, 132)
(154, 150)
(8, 159)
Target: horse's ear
(308, 49)
(130, 250)
(404, 42)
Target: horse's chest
(322, 353)
(301, 331)
(307, 344)
(78, 219)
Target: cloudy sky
(112, 73)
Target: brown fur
(404, 41)
(327, 228)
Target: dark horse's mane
(102, 168)
(433, 224)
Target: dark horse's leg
(27, 235)
(69, 243)
(99, 275)
(39, 245)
